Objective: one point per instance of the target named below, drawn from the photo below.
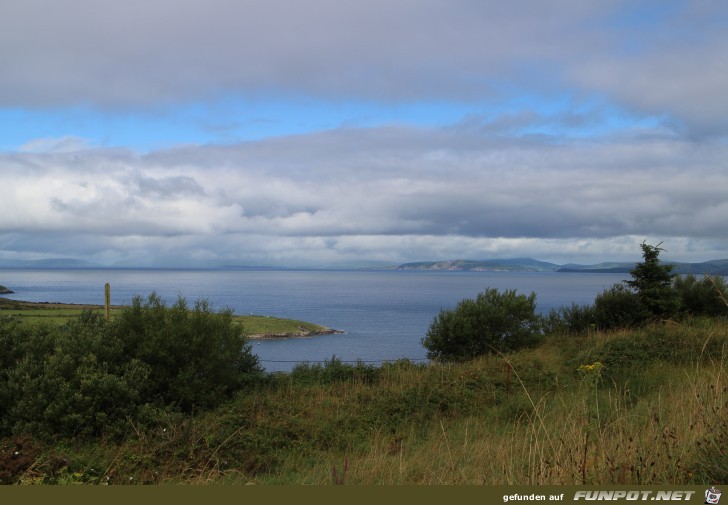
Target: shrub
(492, 322)
(25, 389)
(701, 297)
(197, 358)
(576, 319)
(91, 376)
(619, 307)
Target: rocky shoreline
(296, 334)
(5, 291)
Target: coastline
(9, 303)
(296, 334)
(289, 328)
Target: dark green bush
(575, 320)
(619, 307)
(69, 380)
(702, 297)
(197, 357)
(92, 376)
(492, 322)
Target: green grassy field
(59, 313)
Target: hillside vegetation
(647, 406)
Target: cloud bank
(390, 194)
(666, 58)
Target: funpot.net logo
(618, 495)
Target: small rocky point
(297, 334)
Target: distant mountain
(47, 263)
(623, 267)
(714, 267)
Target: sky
(338, 133)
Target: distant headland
(712, 267)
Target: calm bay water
(384, 313)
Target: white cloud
(385, 194)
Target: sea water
(384, 314)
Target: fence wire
(341, 360)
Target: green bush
(68, 380)
(197, 357)
(702, 297)
(92, 376)
(575, 320)
(492, 322)
(619, 307)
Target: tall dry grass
(582, 436)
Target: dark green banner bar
(319, 495)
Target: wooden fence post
(107, 304)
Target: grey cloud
(398, 193)
(680, 69)
(145, 52)
(168, 187)
(148, 54)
